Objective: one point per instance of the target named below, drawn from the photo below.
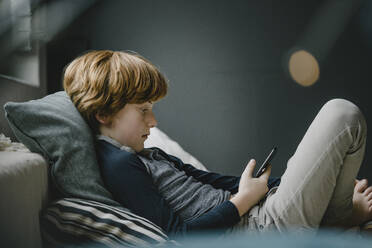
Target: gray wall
(11, 90)
(230, 99)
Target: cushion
(159, 139)
(53, 127)
(70, 222)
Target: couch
(24, 188)
(23, 192)
(56, 142)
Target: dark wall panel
(230, 99)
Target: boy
(115, 93)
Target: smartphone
(266, 162)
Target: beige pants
(317, 186)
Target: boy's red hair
(102, 82)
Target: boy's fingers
(267, 173)
(360, 186)
(250, 167)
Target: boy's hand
(249, 183)
(251, 189)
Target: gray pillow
(53, 127)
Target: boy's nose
(152, 121)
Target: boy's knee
(345, 111)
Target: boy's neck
(114, 142)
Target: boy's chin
(139, 148)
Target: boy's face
(131, 125)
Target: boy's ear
(103, 119)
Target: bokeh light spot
(303, 68)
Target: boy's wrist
(242, 202)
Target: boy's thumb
(250, 167)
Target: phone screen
(266, 162)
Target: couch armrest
(23, 193)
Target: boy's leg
(319, 180)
